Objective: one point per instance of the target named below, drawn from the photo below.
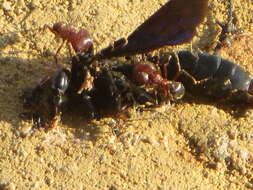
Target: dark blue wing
(174, 23)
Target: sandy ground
(189, 145)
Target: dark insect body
(210, 76)
(94, 87)
(107, 92)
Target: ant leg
(186, 78)
(47, 26)
(57, 52)
(164, 67)
(69, 47)
(181, 75)
(55, 117)
(164, 61)
(178, 69)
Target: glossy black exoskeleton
(48, 98)
(209, 76)
(97, 88)
(93, 93)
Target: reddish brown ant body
(80, 41)
(143, 73)
(147, 74)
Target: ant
(79, 40)
(147, 74)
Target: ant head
(143, 73)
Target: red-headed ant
(79, 40)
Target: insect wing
(174, 23)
